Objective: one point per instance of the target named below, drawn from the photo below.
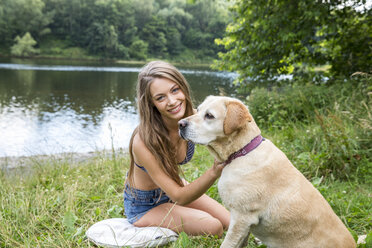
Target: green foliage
(138, 50)
(347, 42)
(174, 44)
(62, 48)
(24, 46)
(208, 23)
(195, 38)
(271, 38)
(155, 33)
(115, 28)
(104, 41)
(20, 16)
(297, 102)
(327, 128)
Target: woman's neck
(172, 125)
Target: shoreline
(13, 163)
(118, 61)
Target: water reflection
(46, 109)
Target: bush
(24, 46)
(325, 130)
(138, 50)
(274, 108)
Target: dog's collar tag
(246, 149)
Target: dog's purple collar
(246, 149)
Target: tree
(154, 33)
(144, 10)
(110, 27)
(176, 16)
(270, 38)
(104, 40)
(174, 43)
(208, 23)
(24, 46)
(21, 16)
(138, 50)
(120, 14)
(72, 19)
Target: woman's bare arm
(182, 195)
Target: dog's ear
(236, 117)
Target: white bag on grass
(118, 232)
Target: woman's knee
(214, 227)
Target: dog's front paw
(257, 241)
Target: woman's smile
(176, 109)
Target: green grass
(55, 204)
(325, 132)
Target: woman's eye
(160, 98)
(208, 116)
(175, 90)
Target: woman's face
(168, 98)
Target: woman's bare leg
(211, 206)
(181, 218)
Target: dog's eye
(208, 116)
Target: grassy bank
(204, 64)
(324, 130)
(188, 57)
(55, 204)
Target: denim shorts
(138, 202)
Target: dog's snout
(182, 124)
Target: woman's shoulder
(139, 148)
(141, 154)
(138, 143)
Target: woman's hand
(217, 168)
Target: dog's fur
(264, 192)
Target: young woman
(155, 194)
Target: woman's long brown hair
(152, 129)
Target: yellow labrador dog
(265, 193)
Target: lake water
(49, 107)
